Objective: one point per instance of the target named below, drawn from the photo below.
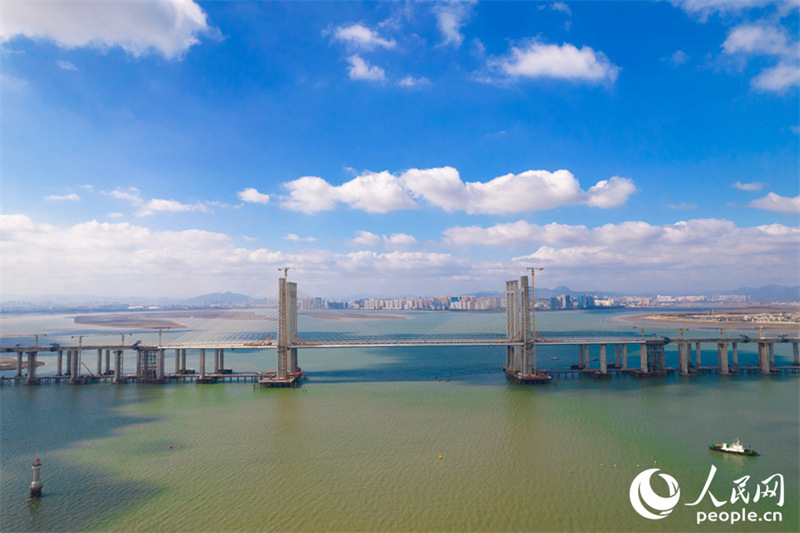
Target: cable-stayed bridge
(283, 329)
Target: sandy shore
(10, 363)
(776, 319)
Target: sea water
(401, 439)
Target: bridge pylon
(518, 328)
(287, 328)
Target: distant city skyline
(169, 149)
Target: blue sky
(398, 148)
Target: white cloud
(297, 238)
(691, 255)
(682, 205)
(383, 192)
(361, 70)
(756, 39)
(702, 9)
(366, 238)
(678, 58)
(440, 186)
(71, 197)
(309, 194)
(252, 195)
(375, 193)
(66, 65)
(360, 36)
(535, 59)
(562, 7)
(610, 193)
(169, 28)
(687, 255)
(450, 18)
(369, 239)
(778, 78)
(401, 239)
(411, 81)
(771, 40)
(775, 202)
(149, 207)
(752, 186)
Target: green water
(357, 447)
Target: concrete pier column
(616, 354)
(697, 356)
(771, 348)
(202, 362)
(76, 366)
(59, 359)
(586, 354)
(177, 360)
(643, 357)
(216, 361)
(99, 360)
(183, 360)
(31, 368)
(69, 363)
(796, 354)
(603, 367)
(19, 364)
(108, 362)
(735, 354)
(117, 366)
(160, 356)
(624, 356)
(580, 354)
(221, 358)
(683, 358)
(763, 358)
(722, 354)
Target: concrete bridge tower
(287, 328)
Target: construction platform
(272, 381)
(526, 379)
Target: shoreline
(781, 318)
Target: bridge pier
(625, 356)
(683, 358)
(160, 364)
(58, 362)
(31, 379)
(202, 363)
(616, 355)
(643, 357)
(76, 365)
(118, 376)
(99, 360)
(183, 360)
(603, 366)
(19, 364)
(796, 353)
(722, 356)
(735, 355)
(177, 360)
(697, 356)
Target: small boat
(735, 448)
(554, 358)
